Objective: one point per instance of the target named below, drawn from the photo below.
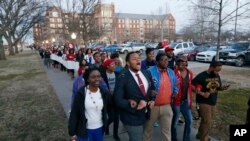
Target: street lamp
(53, 39)
(73, 36)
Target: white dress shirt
(143, 78)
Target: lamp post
(53, 41)
(73, 37)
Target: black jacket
(126, 88)
(77, 119)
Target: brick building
(113, 27)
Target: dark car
(237, 53)
(111, 48)
(192, 52)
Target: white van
(132, 46)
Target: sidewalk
(63, 88)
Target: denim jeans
(187, 114)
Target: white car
(207, 56)
(180, 47)
(131, 46)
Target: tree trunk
(16, 49)
(2, 53)
(219, 32)
(11, 49)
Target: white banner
(68, 64)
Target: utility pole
(235, 26)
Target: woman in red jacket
(183, 102)
(71, 57)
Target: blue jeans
(186, 112)
(93, 135)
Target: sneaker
(197, 136)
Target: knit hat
(107, 62)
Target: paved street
(63, 87)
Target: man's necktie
(141, 86)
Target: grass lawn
(29, 108)
(231, 109)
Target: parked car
(237, 53)
(132, 46)
(192, 52)
(180, 47)
(111, 48)
(207, 56)
(98, 47)
(152, 45)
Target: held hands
(142, 104)
(132, 103)
(73, 138)
(205, 94)
(151, 104)
(225, 87)
(174, 95)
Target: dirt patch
(29, 107)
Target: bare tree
(82, 19)
(17, 17)
(216, 8)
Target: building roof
(141, 16)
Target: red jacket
(177, 100)
(71, 57)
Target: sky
(180, 9)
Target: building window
(52, 25)
(51, 20)
(60, 25)
(59, 20)
(55, 14)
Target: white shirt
(93, 109)
(143, 78)
(86, 57)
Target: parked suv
(237, 53)
(132, 46)
(181, 47)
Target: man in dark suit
(134, 95)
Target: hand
(153, 93)
(142, 104)
(133, 103)
(151, 104)
(174, 95)
(225, 87)
(73, 138)
(206, 94)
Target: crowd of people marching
(137, 92)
